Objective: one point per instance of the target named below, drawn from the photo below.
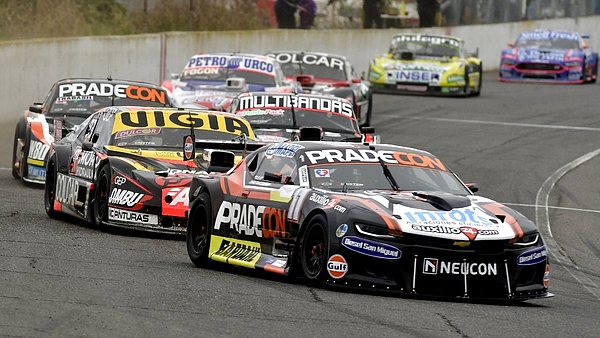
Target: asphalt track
(533, 147)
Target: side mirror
(357, 80)
(510, 44)
(475, 54)
(473, 187)
(219, 161)
(175, 76)
(87, 146)
(585, 46)
(585, 36)
(35, 109)
(236, 84)
(305, 80)
(367, 130)
(311, 133)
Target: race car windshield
(153, 138)
(358, 176)
(547, 43)
(318, 71)
(214, 74)
(425, 49)
(283, 118)
(85, 105)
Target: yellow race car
(427, 64)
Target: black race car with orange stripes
(131, 167)
(381, 217)
(67, 104)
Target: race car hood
(536, 54)
(441, 215)
(437, 65)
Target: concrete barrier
(30, 67)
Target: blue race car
(555, 56)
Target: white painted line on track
(542, 219)
(530, 125)
(551, 207)
(5, 169)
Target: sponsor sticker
(131, 216)
(322, 172)
(36, 171)
(283, 149)
(341, 230)
(534, 256)
(434, 266)
(371, 248)
(337, 266)
(234, 251)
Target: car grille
(551, 67)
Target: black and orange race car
(67, 104)
(277, 117)
(131, 167)
(381, 217)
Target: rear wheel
(314, 252)
(50, 188)
(198, 231)
(100, 205)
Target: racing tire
(369, 112)
(18, 133)
(198, 231)
(23, 167)
(595, 72)
(468, 89)
(50, 188)
(480, 83)
(315, 249)
(100, 205)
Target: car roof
(337, 56)
(429, 34)
(336, 98)
(106, 80)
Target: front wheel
(367, 122)
(480, 82)
(100, 205)
(198, 231)
(50, 188)
(314, 251)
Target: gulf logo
(188, 147)
(337, 266)
(322, 172)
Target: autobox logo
(337, 266)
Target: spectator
(285, 11)
(427, 10)
(308, 12)
(372, 10)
